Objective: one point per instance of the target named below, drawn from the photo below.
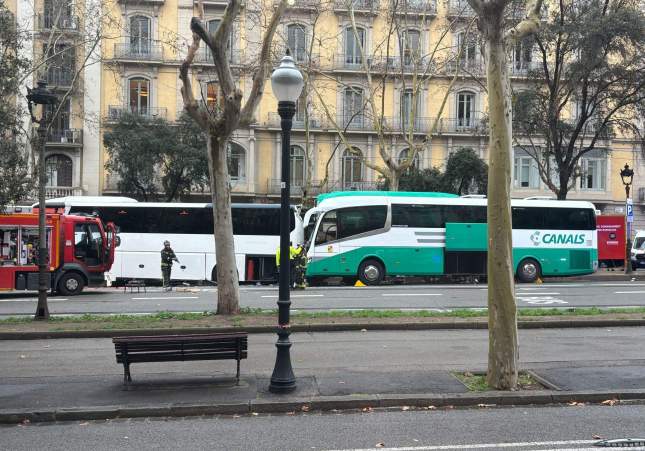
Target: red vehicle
(81, 249)
(611, 240)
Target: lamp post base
(282, 380)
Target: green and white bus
(368, 235)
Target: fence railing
(460, 8)
(315, 122)
(139, 51)
(116, 111)
(65, 136)
(205, 56)
(357, 5)
(52, 192)
(58, 76)
(417, 6)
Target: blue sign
(630, 211)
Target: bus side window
(328, 228)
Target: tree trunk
(228, 293)
(502, 321)
(395, 178)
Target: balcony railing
(54, 20)
(417, 7)
(140, 51)
(52, 192)
(205, 56)
(116, 111)
(523, 68)
(460, 8)
(69, 136)
(357, 5)
(315, 122)
(467, 125)
(351, 121)
(58, 77)
(302, 4)
(354, 62)
(466, 67)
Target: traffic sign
(630, 211)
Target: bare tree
(219, 125)
(503, 350)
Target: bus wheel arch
(371, 271)
(71, 283)
(529, 270)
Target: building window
(523, 54)
(301, 106)
(58, 14)
(353, 107)
(213, 96)
(139, 95)
(140, 35)
(298, 165)
(468, 46)
(403, 156)
(352, 168)
(408, 110)
(410, 46)
(213, 25)
(353, 45)
(594, 173)
(236, 161)
(526, 173)
(59, 170)
(297, 41)
(465, 109)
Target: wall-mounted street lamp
(287, 83)
(41, 96)
(627, 176)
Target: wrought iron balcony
(523, 68)
(466, 67)
(466, 125)
(116, 111)
(65, 137)
(370, 6)
(315, 122)
(205, 56)
(461, 8)
(417, 7)
(302, 4)
(139, 51)
(60, 21)
(58, 77)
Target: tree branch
(528, 26)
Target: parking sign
(630, 211)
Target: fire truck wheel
(71, 284)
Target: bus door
(325, 246)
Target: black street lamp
(287, 83)
(41, 96)
(627, 175)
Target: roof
(335, 194)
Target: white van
(638, 250)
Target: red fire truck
(81, 249)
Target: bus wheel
(71, 284)
(529, 270)
(371, 272)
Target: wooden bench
(173, 348)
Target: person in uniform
(167, 257)
(300, 267)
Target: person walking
(167, 257)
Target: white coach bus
(368, 235)
(142, 228)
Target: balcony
(460, 8)
(65, 137)
(358, 6)
(354, 62)
(470, 126)
(308, 5)
(205, 56)
(52, 192)
(402, 125)
(466, 68)
(523, 68)
(427, 7)
(57, 21)
(315, 122)
(139, 51)
(116, 111)
(354, 122)
(144, 2)
(58, 77)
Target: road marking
(629, 292)
(169, 297)
(297, 296)
(34, 300)
(479, 446)
(539, 294)
(411, 294)
(540, 300)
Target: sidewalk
(78, 379)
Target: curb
(352, 402)
(338, 327)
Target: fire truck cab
(80, 250)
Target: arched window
(353, 107)
(353, 44)
(352, 167)
(140, 34)
(410, 46)
(465, 109)
(297, 41)
(298, 165)
(403, 155)
(139, 95)
(59, 170)
(236, 161)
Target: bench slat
(149, 358)
(143, 347)
(179, 338)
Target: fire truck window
(96, 241)
(81, 241)
(29, 245)
(9, 246)
(87, 243)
